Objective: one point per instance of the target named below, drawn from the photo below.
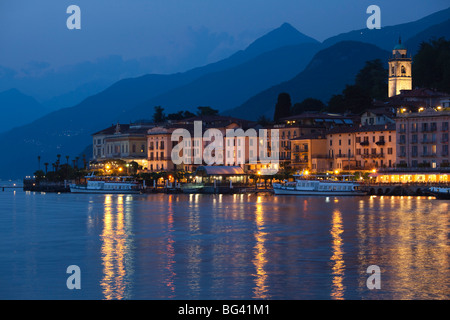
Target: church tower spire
(400, 73)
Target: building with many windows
(423, 138)
(125, 142)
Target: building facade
(423, 138)
(362, 148)
(125, 142)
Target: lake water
(159, 246)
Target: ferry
(440, 192)
(107, 185)
(319, 185)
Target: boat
(440, 192)
(107, 185)
(192, 187)
(319, 185)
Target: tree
(133, 167)
(180, 115)
(309, 104)
(206, 111)
(336, 103)
(39, 175)
(159, 115)
(263, 121)
(372, 78)
(353, 99)
(431, 65)
(283, 106)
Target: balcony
(345, 156)
(300, 161)
(380, 143)
(428, 154)
(425, 141)
(364, 143)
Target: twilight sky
(35, 30)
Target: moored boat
(440, 192)
(107, 185)
(318, 185)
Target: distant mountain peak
(285, 35)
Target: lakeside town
(400, 146)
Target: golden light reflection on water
(337, 259)
(170, 250)
(115, 250)
(260, 260)
(411, 237)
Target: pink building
(423, 138)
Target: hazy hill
(327, 74)
(387, 36)
(18, 109)
(436, 31)
(233, 86)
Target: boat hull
(282, 191)
(99, 191)
(440, 193)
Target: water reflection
(260, 260)
(409, 241)
(116, 248)
(337, 259)
(170, 250)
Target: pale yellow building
(309, 152)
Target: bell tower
(400, 77)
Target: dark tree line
(431, 65)
(159, 116)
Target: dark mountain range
(18, 109)
(67, 131)
(233, 86)
(388, 36)
(327, 74)
(433, 32)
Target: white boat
(107, 185)
(440, 192)
(315, 185)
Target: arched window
(403, 70)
